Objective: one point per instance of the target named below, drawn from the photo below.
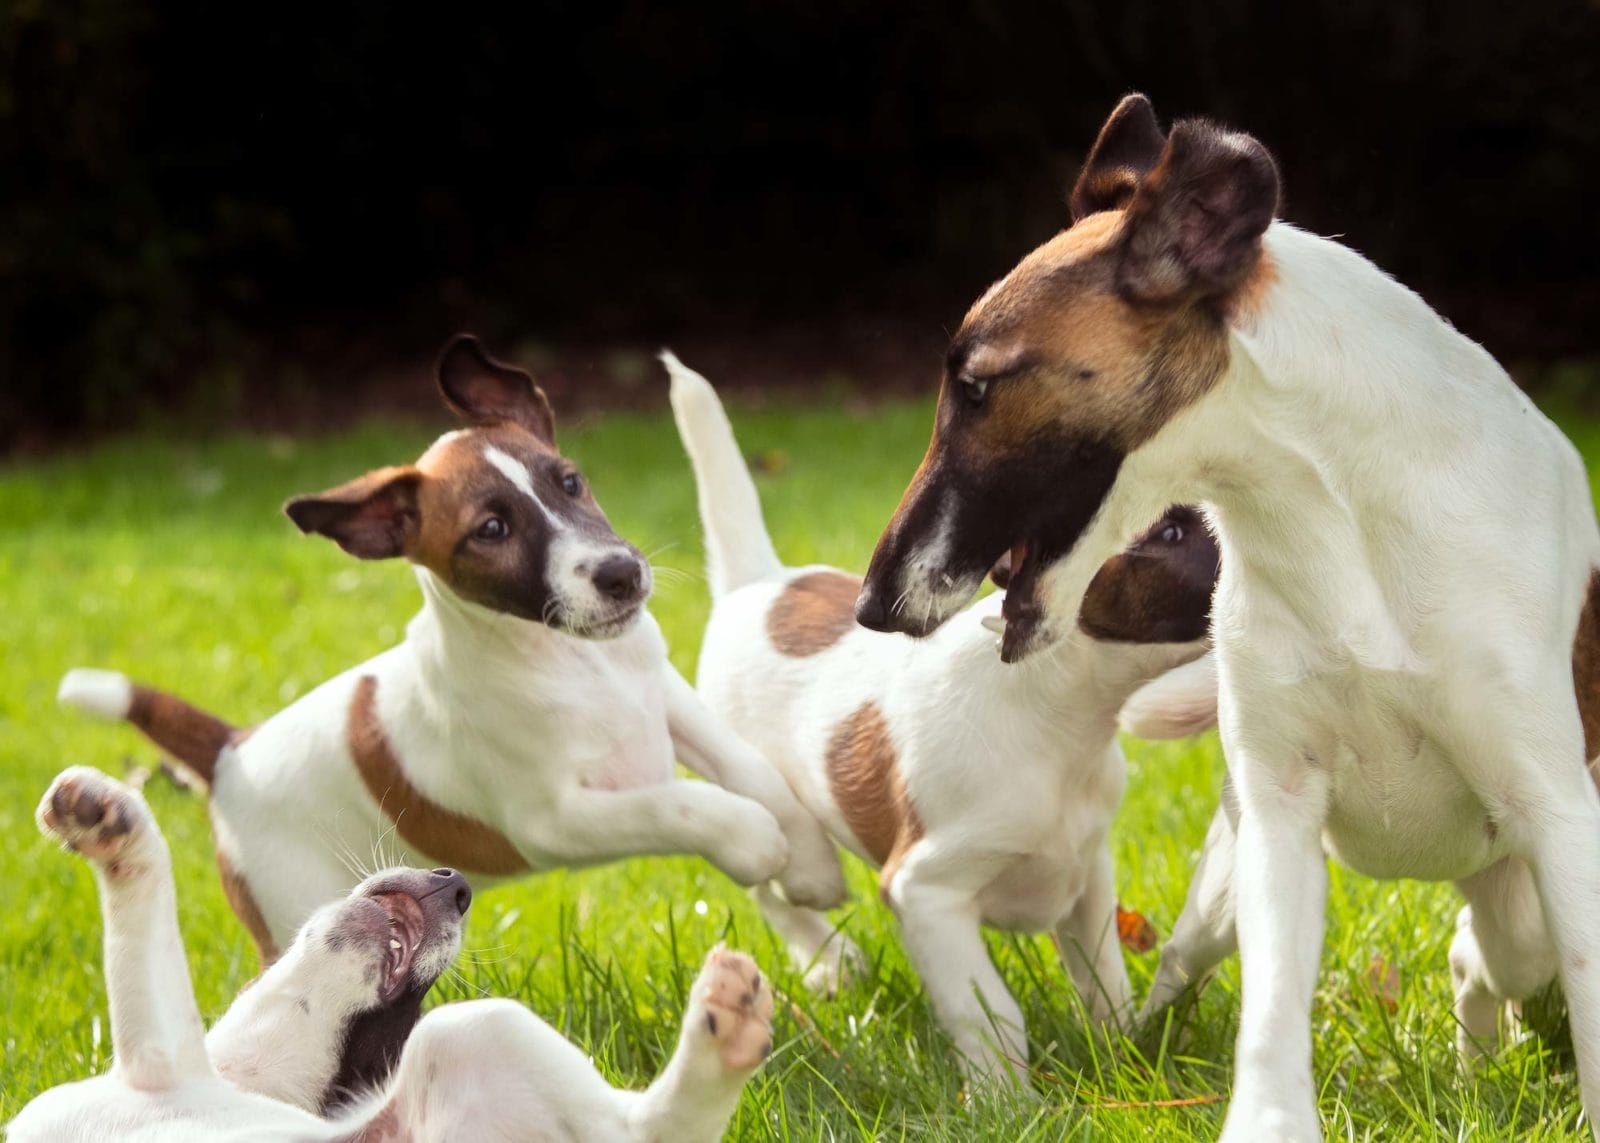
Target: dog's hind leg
(1091, 949)
(156, 1034)
(1501, 951)
(1203, 936)
(826, 957)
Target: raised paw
(732, 1005)
(813, 877)
(754, 850)
(91, 813)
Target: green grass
(171, 561)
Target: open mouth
(1021, 617)
(404, 938)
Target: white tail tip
(683, 378)
(104, 694)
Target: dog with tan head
(983, 793)
(1407, 622)
(530, 719)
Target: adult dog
(984, 793)
(317, 1048)
(1407, 621)
(529, 719)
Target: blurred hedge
(187, 185)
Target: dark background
(277, 217)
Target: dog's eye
(1172, 533)
(973, 390)
(493, 530)
(572, 484)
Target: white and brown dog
(984, 793)
(530, 718)
(322, 1047)
(1407, 622)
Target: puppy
(983, 793)
(1407, 623)
(278, 1065)
(530, 718)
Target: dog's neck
(1337, 369)
(280, 1029)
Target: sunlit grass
(170, 560)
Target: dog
(983, 794)
(286, 1060)
(529, 719)
(1407, 621)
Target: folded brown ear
(484, 390)
(1127, 149)
(1195, 222)
(374, 517)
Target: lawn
(171, 560)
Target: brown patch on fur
(869, 790)
(1157, 591)
(184, 731)
(445, 836)
(1586, 671)
(812, 612)
(243, 901)
(1251, 295)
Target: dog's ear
(1128, 148)
(484, 390)
(1195, 222)
(374, 517)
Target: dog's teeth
(994, 623)
(394, 944)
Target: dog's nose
(454, 880)
(618, 577)
(871, 610)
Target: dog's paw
(730, 1010)
(92, 814)
(755, 849)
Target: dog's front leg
(156, 1035)
(1282, 879)
(1091, 949)
(1203, 936)
(587, 826)
(934, 897)
(712, 749)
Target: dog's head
(494, 511)
(364, 964)
(1071, 362)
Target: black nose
(454, 880)
(618, 577)
(871, 610)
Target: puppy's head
(494, 511)
(1159, 589)
(365, 963)
(1072, 362)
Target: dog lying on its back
(985, 793)
(530, 719)
(317, 1048)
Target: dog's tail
(186, 732)
(738, 549)
(1177, 704)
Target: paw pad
(90, 813)
(737, 1002)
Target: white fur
(1406, 542)
(1178, 704)
(483, 1070)
(522, 480)
(1014, 770)
(567, 746)
(103, 694)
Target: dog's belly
(1033, 893)
(1400, 810)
